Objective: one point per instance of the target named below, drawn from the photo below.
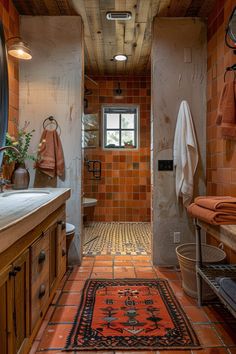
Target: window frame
(135, 129)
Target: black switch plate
(165, 165)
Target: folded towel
(210, 216)
(51, 154)
(225, 204)
(228, 290)
(226, 115)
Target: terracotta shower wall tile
(221, 154)
(123, 192)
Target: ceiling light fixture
(120, 57)
(18, 49)
(118, 15)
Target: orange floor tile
(215, 327)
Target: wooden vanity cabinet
(31, 271)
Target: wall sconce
(18, 49)
(231, 31)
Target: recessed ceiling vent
(118, 15)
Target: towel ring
(50, 120)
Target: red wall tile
(221, 154)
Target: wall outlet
(176, 237)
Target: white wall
(51, 84)
(173, 80)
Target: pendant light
(19, 49)
(118, 92)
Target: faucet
(9, 148)
(3, 181)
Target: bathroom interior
(117, 119)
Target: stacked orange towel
(51, 154)
(226, 115)
(214, 210)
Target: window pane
(112, 138)
(127, 137)
(113, 121)
(127, 121)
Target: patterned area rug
(117, 238)
(130, 314)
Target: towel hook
(51, 120)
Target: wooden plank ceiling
(104, 39)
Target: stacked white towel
(185, 154)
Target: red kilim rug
(131, 314)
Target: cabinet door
(21, 300)
(61, 247)
(6, 318)
(53, 255)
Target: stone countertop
(223, 233)
(20, 213)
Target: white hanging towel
(185, 154)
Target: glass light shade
(120, 57)
(19, 50)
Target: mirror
(231, 30)
(3, 89)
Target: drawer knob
(42, 257)
(17, 269)
(42, 291)
(63, 252)
(13, 272)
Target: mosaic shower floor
(117, 238)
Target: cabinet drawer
(39, 278)
(39, 297)
(40, 257)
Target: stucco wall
(174, 80)
(51, 84)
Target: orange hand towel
(211, 217)
(216, 203)
(226, 115)
(51, 154)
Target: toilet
(70, 233)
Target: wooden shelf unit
(210, 272)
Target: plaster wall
(174, 80)
(51, 84)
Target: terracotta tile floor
(215, 327)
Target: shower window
(120, 127)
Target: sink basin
(26, 193)
(88, 202)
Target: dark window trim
(119, 110)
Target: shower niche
(90, 130)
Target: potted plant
(20, 177)
(128, 144)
